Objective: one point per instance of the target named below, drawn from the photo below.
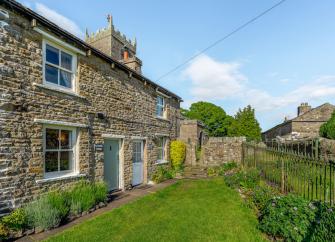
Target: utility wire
(222, 39)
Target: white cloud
(59, 19)
(316, 90)
(214, 80)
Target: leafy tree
(327, 130)
(245, 124)
(214, 117)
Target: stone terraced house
(73, 109)
(305, 126)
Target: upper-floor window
(59, 150)
(59, 66)
(160, 107)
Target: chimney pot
(125, 55)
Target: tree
(214, 117)
(245, 124)
(327, 130)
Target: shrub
(81, 197)
(161, 174)
(324, 225)
(287, 217)
(16, 220)
(57, 200)
(41, 214)
(233, 180)
(4, 232)
(261, 195)
(327, 129)
(177, 154)
(248, 178)
(221, 170)
(100, 192)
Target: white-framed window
(161, 155)
(59, 150)
(59, 66)
(160, 107)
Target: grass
(190, 210)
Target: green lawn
(190, 210)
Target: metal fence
(309, 176)
(309, 147)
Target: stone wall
(327, 148)
(220, 150)
(127, 102)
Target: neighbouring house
(73, 109)
(305, 126)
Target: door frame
(121, 176)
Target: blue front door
(111, 164)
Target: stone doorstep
(120, 199)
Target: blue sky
(284, 58)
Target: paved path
(119, 198)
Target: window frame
(161, 106)
(74, 139)
(73, 72)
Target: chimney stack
(113, 43)
(303, 108)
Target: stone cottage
(305, 126)
(73, 109)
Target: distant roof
(298, 117)
(14, 5)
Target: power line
(223, 38)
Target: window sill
(161, 162)
(51, 88)
(162, 118)
(60, 178)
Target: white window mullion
(59, 147)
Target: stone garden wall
(220, 150)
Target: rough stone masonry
(110, 100)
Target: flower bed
(285, 217)
(53, 209)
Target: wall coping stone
(65, 177)
(62, 123)
(220, 139)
